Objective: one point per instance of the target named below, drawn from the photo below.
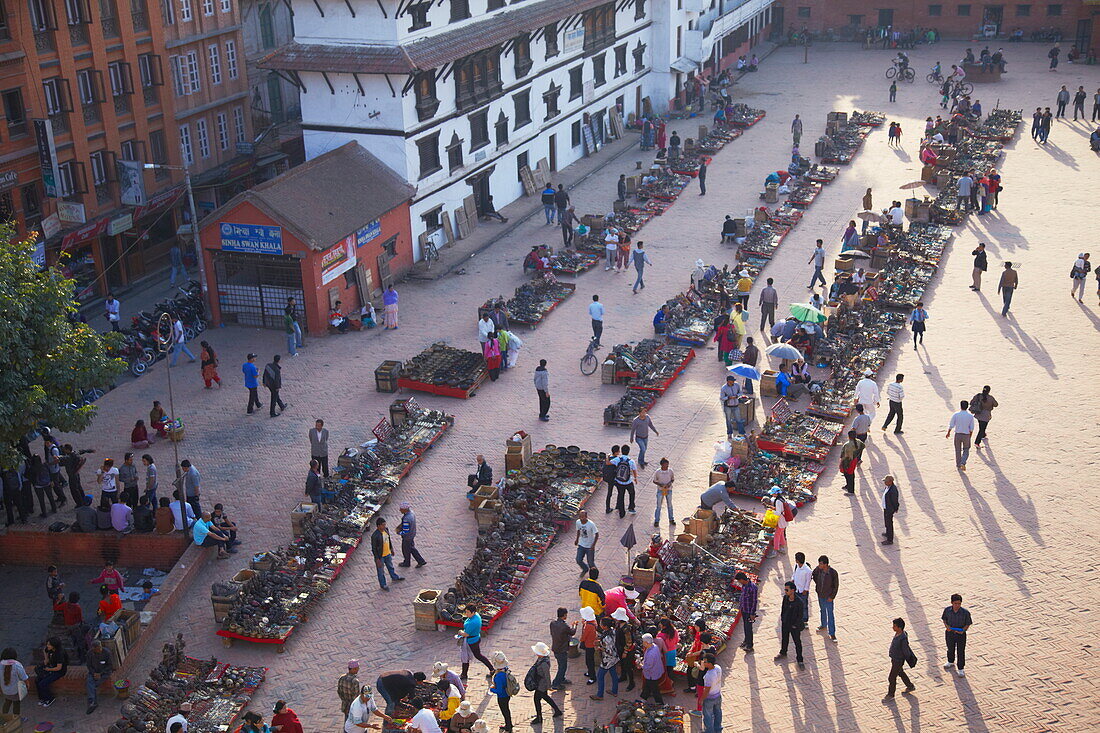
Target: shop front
(333, 229)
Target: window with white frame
(207, 7)
(223, 131)
(204, 137)
(121, 81)
(86, 87)
(77, 13)
(185, 10)
(179, 76)
(185, 145)
(193, 72)
(169, 10)
(69, 181)
(215, 64)
(231, 58)
(227, 6)
(54, 91)
(238, 123)
(131, 150)
(101, 167)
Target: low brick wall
(30, 547)
(176, 585)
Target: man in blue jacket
(252, 383)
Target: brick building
(89, 84)
(1078, 20)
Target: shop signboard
(120, 224)
(8, 179)
(71, 213)
(131, 183)
(47, 156)
(367, 233)
(254, 238)
(51, 225)
(573, 40)
(338, 259)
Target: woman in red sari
(284, 720)
(491, 351)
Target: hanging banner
(47, 156)
(367, 233)
(338, 259)
(131, 183)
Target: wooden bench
(975, 75)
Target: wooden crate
(114, 647)
(385, 376)
(767, 383)
(426, 609)
(645, 572)
(129, 623)
(716, 476)
(11, 723)
(513, 459)
(523, 443)
(701, 524)
(222, 605)
(483, 493)
(607, 372)
(301, 517)
(488, 513)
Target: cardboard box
(845, 264)
(426, 609)
(645, 572)
(716, 476)
(740, 444)
(767, 383)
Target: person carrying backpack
(626, 472)
(785, 511)
(537, 680)
(505, 687)
(1078, 275)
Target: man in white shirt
(174, 507)
(611, 247)
(361, 710)
(895, 393)
(179, 342)
(180, 717)
(111, 307)
(962, 422)
(485, 327)
(801, 577)
(712, 694)
(866, 393)
(818, 258)
(897, 215)
(585, 541)
(424, 721)
(595, 310)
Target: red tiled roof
(426, 53)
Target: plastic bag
(771, 519)
(722, 451)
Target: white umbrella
(869, 215)
(783, 351)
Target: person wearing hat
(866, 393)
(441, 671)
(653, 668)
(348, 686)
(627, 646)
(699, 273)
(539, 678)
(180, 717)
(500, 688)
(360, 711)
(407, 530)
(589, 639)
(464, 719)
(284, 719)
(252, 382)
(620, 598)
(744, 285)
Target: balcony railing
(141, 20)
(122, 104)
(78, 34)
(60, 121)
(44, 42)
(90, 111)
(149, 94)
(110, 27)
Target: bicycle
(431, 253)
(589, 362)
(904, 74)
(934, 78)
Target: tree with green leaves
(47, 358)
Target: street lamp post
(194, 217)
(165, 344)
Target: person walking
(471, 633)
(318, 445)
(900, 654)
(917, 319)
(664, 478)
(548, 206)
(1078, 275)
(640, 258)
(348, 686)
(791, 623)
(542, 386)
(796, 130)
(769, 300)
(1079, 98)
(406, 530)
(1062, 100)
(981, 406)
(252, 383)
(561, 202)
(595, 312)
(1036, 123)
(609, 658)
(175, 259)
(746, 604)
(639, 433)
(962, 422)
(382, 548)
(893, 91)
(585, 541)
(1045, 124)
(179, 341)
(981, 264)
(1096, 106)
(208, 365)
(711, 694)
(1010, 280)
(818, 260)
(653, 669)
(111, 308)
(567, 218)
(826, 584)
(539, 675)
(861, 426)
(801, 575)
(890, 504)
(501, 677)
(866, 392)
(895, 394)
(626, 473)
(956, 621)
(561, 632)
(273, 380)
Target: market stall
(265, 603)
(532, 301)
(648, 369)
(218, 692)
(518, 526)
(444, 370)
